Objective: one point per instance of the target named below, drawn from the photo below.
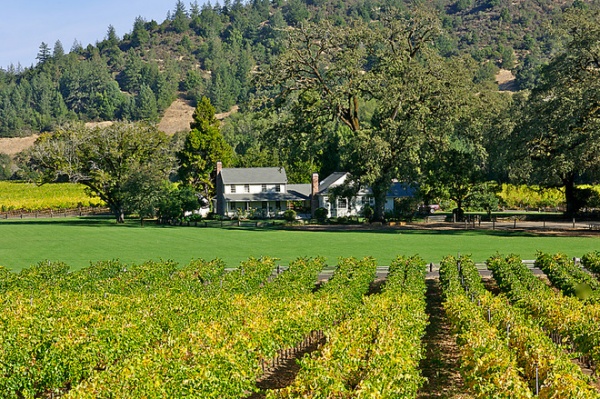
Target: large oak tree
(559, 131)
(384, 85)
(110, 161)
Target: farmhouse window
(278, 188)
(342, 203)
(246, 188)
(233, 189)
(264, 188)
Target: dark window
(278, 188)
(264, 188)
(233, 189)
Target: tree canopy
(117, 163)
(559, 133)
(412, 95)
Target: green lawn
(79, 241)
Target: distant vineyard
(29, 197)
(519, 197)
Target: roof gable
(253, 176)
(334, 179)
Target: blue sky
(25, 24)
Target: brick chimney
(314, 192)
(220, 190)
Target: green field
(79, 241)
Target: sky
(25, 24)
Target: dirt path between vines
(441, 363)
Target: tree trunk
(458, 212)
(379, 195)
(118, 212)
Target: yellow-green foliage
(523, 196)
(30, 197)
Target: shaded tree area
(558, 134)
(380, 96)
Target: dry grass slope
(506, 80)
(177, 117)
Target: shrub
(368, 211)
(321, 214)
(289, 215)
(196, 217)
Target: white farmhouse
(266, 192)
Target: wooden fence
(54, 213)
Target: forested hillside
(382, 89)
(213, 51)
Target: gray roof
(253, 176)
(329, 180)
(398, 190)
(261, 197)
(302, 191)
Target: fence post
(537, 380)
(573, 222)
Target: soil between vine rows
(440, 366)
(441, 363)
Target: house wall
(264, 209)
(254, 188)
(343, 207)
(389, 204)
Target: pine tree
(43, 54)
(139, 35)
(147, 109)
(58, 51)
(180, 22)
(203, 147)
